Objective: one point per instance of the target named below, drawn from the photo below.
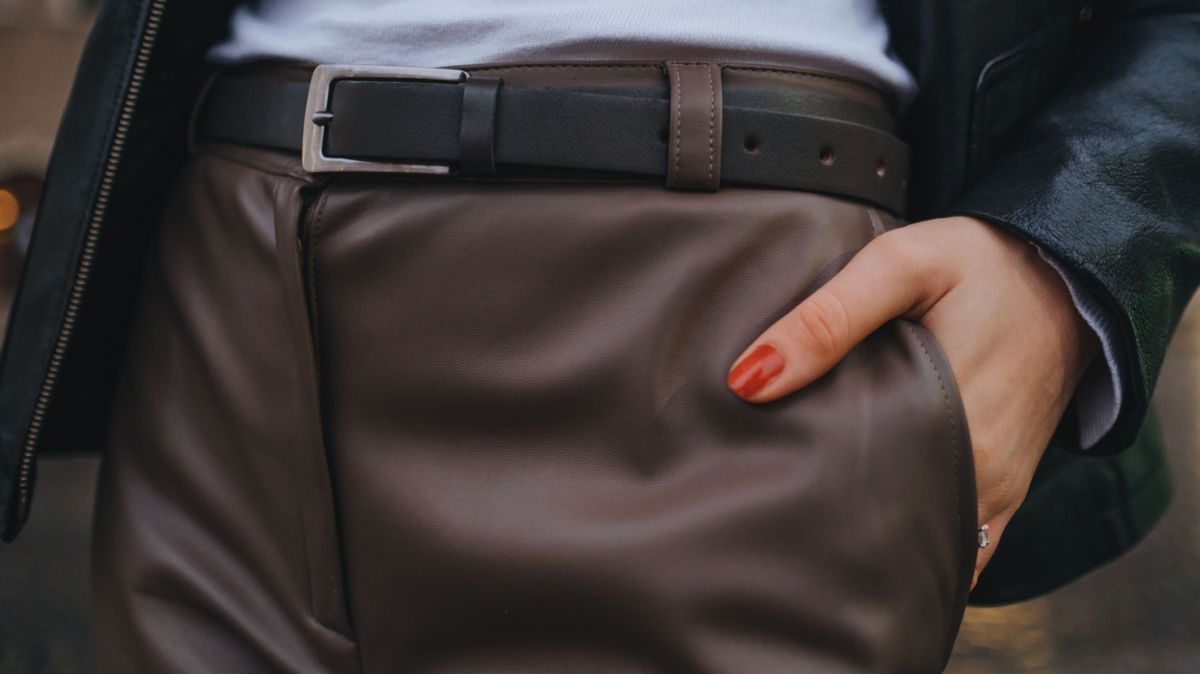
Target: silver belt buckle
(317, 116)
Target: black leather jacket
(1074, 124)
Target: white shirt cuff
(1099, 394)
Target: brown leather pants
(383, 425)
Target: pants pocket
(851, 502)
(538, 466)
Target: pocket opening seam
(959, 596)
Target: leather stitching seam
(712, 113)
(954, 441)
(533, 66)
(677, 116)
(739, 68)
(802, 74)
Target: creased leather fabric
(207, 554)
(535, 462)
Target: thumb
(881, 282)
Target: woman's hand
(1003, 316)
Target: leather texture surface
(1133, 241)
(535, 460)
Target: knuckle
(993, 504)
(904, 254)
(897, 250)
(997, 511)
(821, 325)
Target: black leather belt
(406, 120)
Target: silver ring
(984, 541)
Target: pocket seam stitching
(954, 437)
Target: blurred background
(1140, 613)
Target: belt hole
(881, 168)
(826, 156)
(751, 144)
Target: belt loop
(694, 141)
(477, 134)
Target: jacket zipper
(84, 270)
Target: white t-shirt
(848, 36)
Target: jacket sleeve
(1107, 179)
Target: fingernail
(755, 371)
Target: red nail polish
(755, 371)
